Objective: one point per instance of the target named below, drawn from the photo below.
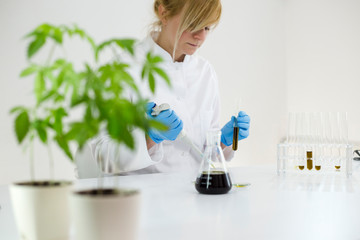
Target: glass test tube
(235, 136)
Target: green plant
(97, 92)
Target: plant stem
(100, 175)
(64, 51)
(51, 163)
(116, 170)
(50, 54)
(32, 168)
(115, 53)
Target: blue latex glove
(168, 118)
(243, 122)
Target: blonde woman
(180, 30)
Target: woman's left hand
(242, 121)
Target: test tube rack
(292, 157)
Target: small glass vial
(309, 160)
(317, 158)
(300, 157)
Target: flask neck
(213, 138)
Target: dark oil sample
(301, 167)
(309, 161)
(235, 138)
(217, 182)
(337, 167)
(317, 167)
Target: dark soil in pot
(44, 183)
(107, 192)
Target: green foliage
(150, 67)
(126, 44)
(46, 31)
(97, 91)
(22, 124)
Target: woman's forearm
(149, 143)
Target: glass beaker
(213, 177)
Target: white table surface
(301, 206)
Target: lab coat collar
(157, 50)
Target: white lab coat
(194, 97)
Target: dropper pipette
(182, 135)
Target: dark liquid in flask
(217, 182)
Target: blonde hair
(195, 15)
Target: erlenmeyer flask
(213, 177)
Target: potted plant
(62, 92)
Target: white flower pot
(41, 212)
(106, 217)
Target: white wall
(323, 58)
(247, 50)
(249, 56)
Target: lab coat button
(178, 98)
(183, 154)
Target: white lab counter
(301, 206)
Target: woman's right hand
(168, 118)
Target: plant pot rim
(108, 192)
(43, 183)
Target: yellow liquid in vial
(309, 164)
(235, 138)
(318, 168)
(337, 167)
(301, 167)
